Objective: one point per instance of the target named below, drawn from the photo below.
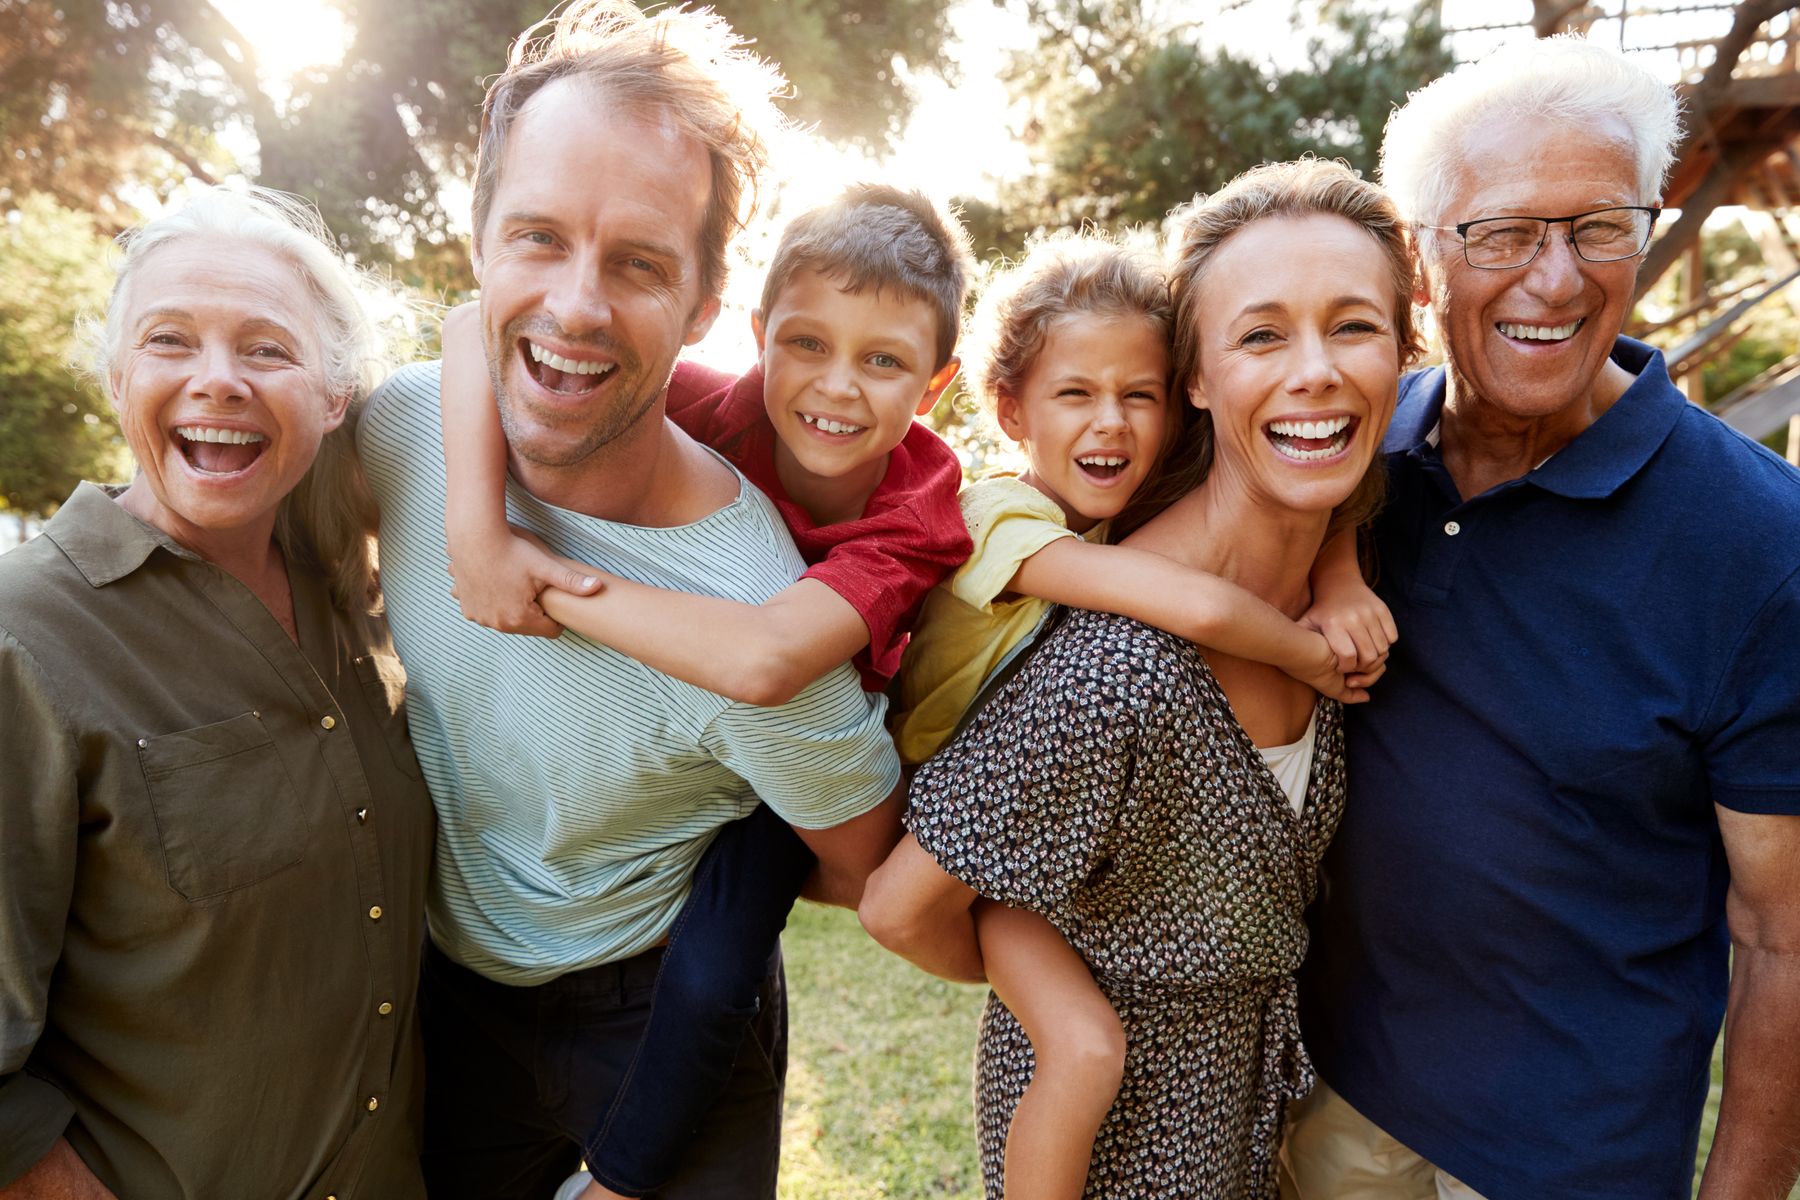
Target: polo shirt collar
(1603, 457)
(105, 542)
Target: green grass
(880, 1071)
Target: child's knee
(1087, 1050)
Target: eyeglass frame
(1462, 233)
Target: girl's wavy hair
(327, 522)
(1061, 274)
(1302, 188)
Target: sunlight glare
(288, 38)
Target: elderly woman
(213, 834)
(1163, 805)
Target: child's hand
(497, 581)
(1358, 627)
(1321, 672)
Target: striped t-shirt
(576, 788)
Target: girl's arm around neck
(763, 654)
(1181, 600)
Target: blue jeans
(706, 998)
(518, 1079)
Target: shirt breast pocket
(226, 810)
(384, 684)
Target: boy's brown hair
(878, 236)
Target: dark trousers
(518, 1078)
(707, 996)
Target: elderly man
(577, 789)
(1579, 785)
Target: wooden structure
(1738, 67)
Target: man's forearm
(1756, 1152)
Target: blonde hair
(1060, 275)
(1302, 188)
(686, 64)
(327, 521)
(1563, 79)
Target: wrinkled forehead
(1544, 168)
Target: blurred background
(1027, 114)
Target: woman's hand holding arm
(915, 908)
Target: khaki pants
(1333, 1152)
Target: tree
(1131, 114)
(105, 97)
(55, 429)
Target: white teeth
(1539, 333)
(1102, 460)
(1298, 455)
(568, 366)
(1310, 429)
(830, 426)
(208, 433)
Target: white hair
(326, 521)
(1564, 79)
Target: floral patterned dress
(1109, 787)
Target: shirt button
(374, 1104)
(375, 913)
(362, 816)
(328, 722)
(333, 1196)
(1452, 528)
(384, 1008)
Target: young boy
(856, 331)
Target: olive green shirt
(213, 849)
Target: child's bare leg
(1077, 1041)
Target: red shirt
(909, 537)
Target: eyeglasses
(1603, 235)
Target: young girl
(1075, 369)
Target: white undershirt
(1292, 764)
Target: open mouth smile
(1102, 468)
(834, 428)
(1539, 333)
(211, 450)
(564, 376)
(1311, 441)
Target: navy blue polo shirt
(1519, 956)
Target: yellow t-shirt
(964, 632)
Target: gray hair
(880, 237)
(327, 521)
(1563, 79)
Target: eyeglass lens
(1604, 236)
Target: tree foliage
(1132, 113)
(104, 98)
(55, 429)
